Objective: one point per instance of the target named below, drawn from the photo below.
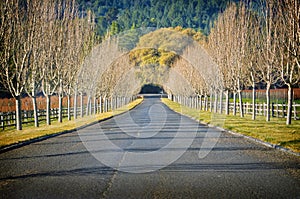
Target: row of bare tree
(251, 44)
(43, 44)
(47, 46)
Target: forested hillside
(119, 15)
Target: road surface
(71, 166)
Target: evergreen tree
(197, 14)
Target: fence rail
(276, 110)
(8, 119)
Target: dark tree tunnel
(151, 89)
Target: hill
(120, 15)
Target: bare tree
(252, 58)
(269, 42)
(289, 47)
(59, 52)
(178, 84)
(71, 38)
(239, 40)
(16, 49)
(219, 46)
(191, 75)
(91, 80)
(49, 70)
(37, 9)
(227, 43)
(204, 64)
(84, 43)
(78, 48)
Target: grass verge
(275, 131)
(29, 132)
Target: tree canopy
(121, 15)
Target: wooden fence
(276, 110)
(9, 104)
(275, 94)
(100, 105)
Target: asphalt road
(150, 152)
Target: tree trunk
(60, 108)
(205, 103)
(221, 102)
(240, 98)
(75, 104)
(234, 103)
(241, 104)
(81, 104)
(268, 101)
(253, 102)
(69, 107)
(210, 102)
(227, 103)
(290, 105)
(113, 103)
(95, 105)
(200, 103)
(100, 105)
(90, 108)
(60, 96)
(18, 113)
(88, 105)
(216, 102)
(48, 109)
(35, 111)
(105, 105)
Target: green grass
(275, 131)
(29, 132)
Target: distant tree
(114, 28)
(197, 14)
(227, 43)
(253, 58)
(218, 47)
(82, 40)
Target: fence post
(95, 105)
(256, 109)
(295, 111)
(277, 109)
(2, 120)
(81, 105)
(283, 110)
(14, 118)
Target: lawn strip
(275, 132)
